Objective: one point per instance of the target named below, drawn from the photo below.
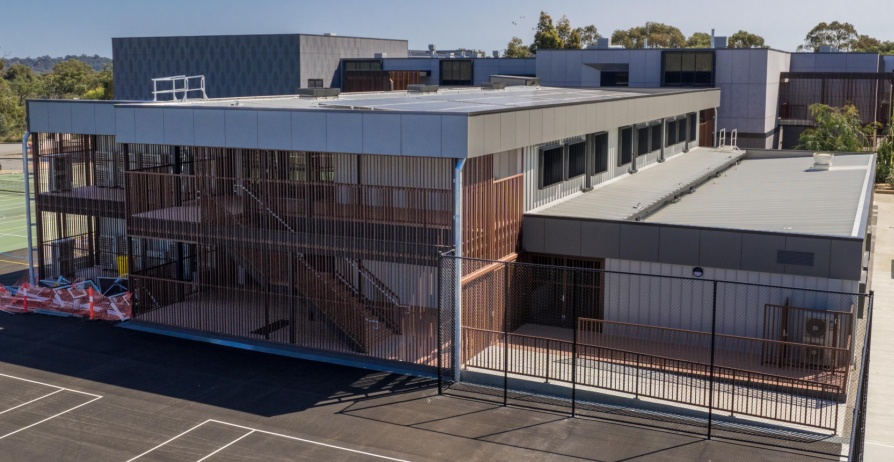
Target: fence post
(505, 333)
(440, 314)
(713, 345)
(576, 281)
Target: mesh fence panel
(751, 362)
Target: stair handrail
(388, 293)
(268, 209)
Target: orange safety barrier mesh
(72, 300)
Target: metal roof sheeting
(779, 195)
(632, 195)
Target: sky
(61, 27)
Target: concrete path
(880, 415)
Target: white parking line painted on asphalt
(168, 441)
(49, 418)
(49, 385)
(29, 402)
(225, 446)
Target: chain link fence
(752, 362)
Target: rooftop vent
(719, 42)
(828, 49)
(493, 86)
(380, 55)
(822, 161)
(330, 34)
(318, 92)
(420, 88)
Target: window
(687, 68)
(625, 145)
(656, 136)
(456, 72)
(681, 129)
(672, 132)
(314, 83)
(601, 153)
(642, 141)
(577, 159)
(614, 79)
(363, 65)
(551, 166)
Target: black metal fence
(756, 362)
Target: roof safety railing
(184, 88)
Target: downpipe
(457, 266)
(28, 231)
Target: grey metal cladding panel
(242, 129)
(679, 246)
(83, 118)
(38, 117)
(381, 133)
(421, 135)
(533, 234)
(846, 259)
(759, 252)
(124, 125)
(821, 250)
(60, 118)
(179, 127)
(105, 119)
(454, 136)
(210, 127)
(720, 249)
(149, 126)
(344, 132)
(309, 131)
(599, 239)
(639, 242)
(274, 130)
(562, 237)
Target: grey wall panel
(60, 118)
(821, 250)
(599, 239)
(562, 237)
(342, 130)
(381, 133)
(639, 242)
(533, 234)
(242, 129)
(845, 259)
(421, 135)
(454, 136)
(274, 130)
(38, 116)
(759, 253)
(309, 131)
(149, 124)
(320, 55)
(105, 119)
(179, 127)
(679, 246)
(83, 118)
(720, 249)
(210, 127)
(124, 125)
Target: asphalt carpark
(77, 390)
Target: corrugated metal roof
(630, 196)
(462, 101)
(780, 195)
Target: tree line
(67, 79)
(557, 35)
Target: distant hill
(43, 64)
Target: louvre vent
(788, 257)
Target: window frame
(600, 153)
(568, 161)
(686, 76)
(311, 83)
(621, 151)
(541, 159)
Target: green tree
(516, 49)
(837, 129)
(588, 35)
(12, 114)
(24, 83)
(869, 44)
(743, 39)
(841, 35)
(659, 36)
(104, 85)
(71, 79)
(546, 36)
(698, 40)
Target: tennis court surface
(74, 390)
